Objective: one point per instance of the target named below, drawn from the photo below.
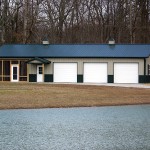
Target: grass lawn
(34, 95)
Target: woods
(74, 21)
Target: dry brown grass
(34, 95)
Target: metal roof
(76, 51)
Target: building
(90, 63)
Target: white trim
(12, 73)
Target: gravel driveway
(99, 128)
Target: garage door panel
(65, 72)
(95, 72)
(126, 73)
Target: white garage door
(65, 72)
(95, 72)
(125, 72)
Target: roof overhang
(38, 60)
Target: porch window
(23, 71)
(6, 71)
(6, 68)
(23, 68)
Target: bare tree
(74, 21)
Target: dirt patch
(34, 95)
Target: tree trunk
(25, 21)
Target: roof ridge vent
(45, 42)
(111, 41)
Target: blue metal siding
(76, 51)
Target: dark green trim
(48, 78)
(32, 78)
(144, 79)
(144, 66)
(79, 78)
(110, 78)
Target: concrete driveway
(131, 85)
(99, 128)
(146, 86)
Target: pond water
(95, 128)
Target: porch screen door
(15, 73)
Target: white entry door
(15, 73)
(39, 73)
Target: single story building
(89, 63)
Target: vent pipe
(45, 42)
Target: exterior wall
(49, 68)
(32, 68)
(81, 61)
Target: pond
(95, 128)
